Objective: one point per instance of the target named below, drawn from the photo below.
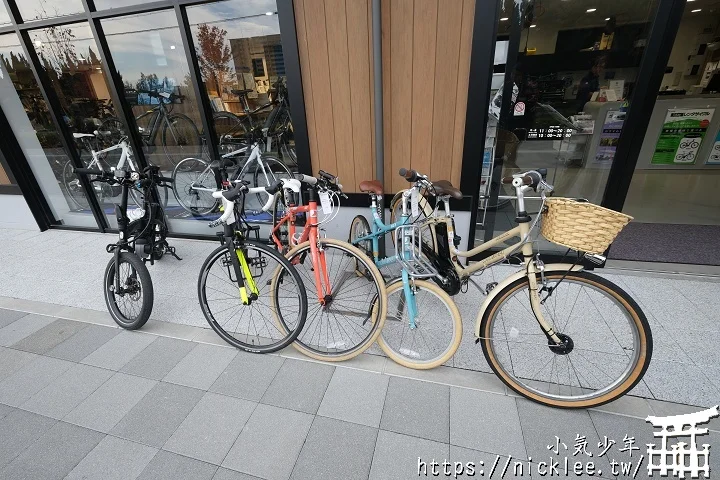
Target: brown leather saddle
(371, 186)
(444, 187)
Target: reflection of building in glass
(260, 56)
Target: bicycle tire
(284, 268)
(425, 211)
(230, 130)
(399, 354)
(377, 307)
(530, 388)
(146, 291)
(193, 143)
(73, 187)
(359, 227)
(184, 171)
(278, 212)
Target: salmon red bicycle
(347, 300)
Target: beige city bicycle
(553, 333)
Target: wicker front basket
(581, 226)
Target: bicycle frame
(126, 155)
(150, 134)
(309, 233)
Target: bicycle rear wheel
(275, 170)
(437, 332)
(130, 308)
(181, 138)
(252, 327)
(194, 171)
(607, 343)
(348, 320)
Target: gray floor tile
(5, 410)
(270, 443)
(355, 396)
(19, 430)
(485, 421)
(158, 358)
(248, 376)
(334, 446)
(201, 367)
(103, 409)
(54, 455)
(210, 429)
(227, 474)
(627, 405)
(299, 385)
(67, 391)
(681, 383)
(113, 458)
(119, 350)
(541, 425)
(30, 379)
(12, 360)
(468, 463)
(403, 457)
(83, 343)
(417, 408)
(23, 327)
(49, 336)
(169, 466)
(9, 316)
(156, 417)
(664, 409)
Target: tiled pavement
(66, 269)
(85, 399)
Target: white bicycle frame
(125, 156)
(254, 157)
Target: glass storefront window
(41, 9)
(108, 4)
(28, 114)
(69, 57)
(574, 75)
(4, 15)
(148, 53)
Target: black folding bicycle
(127, 285)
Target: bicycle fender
(549, 267)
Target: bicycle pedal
(490, 286)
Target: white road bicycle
(195, 179)
(99, 161)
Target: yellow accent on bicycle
(247, 277)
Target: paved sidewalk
(85, 399)
(66, 268)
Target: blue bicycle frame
(379, 230)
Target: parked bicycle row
(553, 333)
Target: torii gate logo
(682, 459)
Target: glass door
(572, 67)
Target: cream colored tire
(441, 357)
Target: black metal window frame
(20, 167)
(661, 37)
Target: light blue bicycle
(423, 328)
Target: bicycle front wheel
(130, 303)
(190, 175)
(346, 321)
(607, 343)
(180, 138)
(251, 325)
(437, 332)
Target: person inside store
(590, 83)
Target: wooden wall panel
(426, 59)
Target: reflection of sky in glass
(39, 9)
(241, 18)
(147, 43)
(106, 4)
(4, 15)
(10, 41)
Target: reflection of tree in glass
(214, 54)
(57, 49)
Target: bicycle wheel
(230, 130)
(278, 213)
(359, 227)
(195, 171)
(180, 138)
(73, 187)
(110, 132)
(253, 327)
(138, 197)
(437, 332)
(425, 210)
(274, 171)
(131, 308)
(607, 343)
(353, 314)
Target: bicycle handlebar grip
(88, 171)
(272, 190)
(410, 175)
(306, 179)
(527, 180)
(327, 176)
